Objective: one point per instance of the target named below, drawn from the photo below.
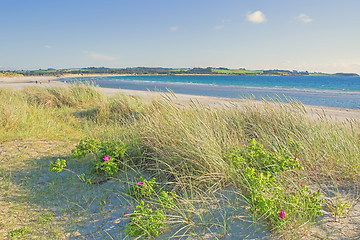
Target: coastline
(325, 118)
(331, 113)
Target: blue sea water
(334, 91)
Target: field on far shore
(222, 168)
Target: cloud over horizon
(304, 18)
(174, 28)
(256, 17)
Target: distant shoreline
(169, 71)
(22, 79)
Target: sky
(312, 35)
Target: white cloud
(222, 25)
(174, 28)
(256, 17)
(304, 18)
(219, 27)
(48, 46)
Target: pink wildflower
(282, 214)
(106, 158)
(98, 140)
(75, 149)
(301, 184)
(140, 183)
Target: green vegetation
(262, 173)
(163, 71)
(235, 71)
(189, 171)
(18, 233)
(145, 222)
(10, 74)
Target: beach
(331, 113)
(38, 130)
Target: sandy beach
(331, 113)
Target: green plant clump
(45, 218)
(86, 146)
(143, 188)
(166, 199)
(258, 157)
(19, 233)
(144, 221)
(262, 173)
(110, 158)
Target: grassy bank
(264, 171)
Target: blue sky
(314, 35)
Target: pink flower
(75, 149)
(106, 158)
(282, 214)
(140, 183)
(301, 184)
(98, 140)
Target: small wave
(168, 83)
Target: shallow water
(334, 91)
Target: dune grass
(193, 150)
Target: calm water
(313, 90)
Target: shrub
(143, 188)
(144, 221)
(261, 173)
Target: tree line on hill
(166, 71)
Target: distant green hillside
(235, 71)
(166, 71)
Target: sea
(332, 91)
